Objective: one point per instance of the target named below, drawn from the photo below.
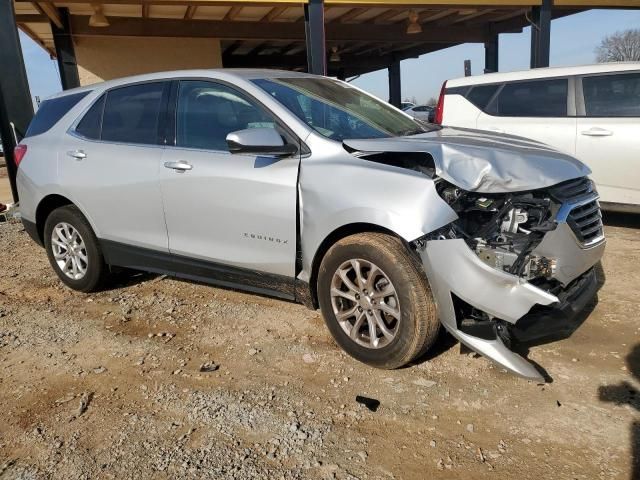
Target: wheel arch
(334, 237)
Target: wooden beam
(232, 13)
(33, 36)
(348, 15)
(48, 9)
(286, 31)
(387, 15)
(465, 18)
(273, 14)
(432, 17)
(31, 18)
(145, 10)
(190, 12)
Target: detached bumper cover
(452, 268)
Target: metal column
(315, 38)
(65, 53)
(395, 92)
(541, 34)
(16, 106)
(491, 55)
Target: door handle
(179, 166)
(597, 132)
(77, 154)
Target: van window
(612, 95)
(51, 111)
(91, 123)
(539, 98)
(207, 112)
(481, 95)
(131, 114)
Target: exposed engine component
(502, 229)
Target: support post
(315, 37)
(541, 34)
(491, 54)
(395, 91)
(65, 52)
(16, 106)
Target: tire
(415, 326)
(95, 269)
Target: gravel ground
(110, 385)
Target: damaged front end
(515, 266)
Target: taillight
(437, 118)
(19, 153)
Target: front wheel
(73, 249)
(376, 300)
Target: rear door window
(51, 111)
(612, 95)
(132, 114)
(538, 98)
(91, 124)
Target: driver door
(226, 214)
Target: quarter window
(540, 98)
(207, 112)
(131, 114)
(481, 95)
(51, 111)
(612, 95)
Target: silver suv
(308, 189)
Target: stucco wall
(107, 58)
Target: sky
(573, 42)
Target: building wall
(107, 58)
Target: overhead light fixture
(413, 27)
(98, 19)
(335, 56)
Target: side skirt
(139, 258)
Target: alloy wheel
(69, 251)
(365, 303)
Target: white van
(591, 112)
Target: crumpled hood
(484, 162)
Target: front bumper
(454, 270)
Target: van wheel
(73, 249)
(376, 300)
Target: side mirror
(259, 141)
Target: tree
(432, 101)
(620, 47)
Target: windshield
(339, 111)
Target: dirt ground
(109, 385)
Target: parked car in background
(307, 188)
(591, 112)
(405, 105)
(421, 112)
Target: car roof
(549, 72)
(228, 74)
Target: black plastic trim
(140, 258)
(32, 229)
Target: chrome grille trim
(580, 210)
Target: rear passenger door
(608, 134)
(109, 164)
(538, 109)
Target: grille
(584, 218)
(572, 189)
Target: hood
(481, 161)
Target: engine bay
(502, 229)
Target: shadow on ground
(626, 394)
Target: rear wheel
(73, 249)
(376, 300)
